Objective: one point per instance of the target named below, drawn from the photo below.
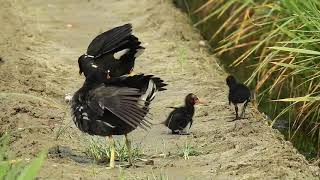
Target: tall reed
(275, 43)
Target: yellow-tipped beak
(132, 73)
(201, 102)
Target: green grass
(12, 168)
(99, 149)
(158, 176)
(182, 56)
(274, 46)
(62, 129)
(188, 150)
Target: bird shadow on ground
(66, 152)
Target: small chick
(238, 93)
(180, 119)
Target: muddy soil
(40, 42)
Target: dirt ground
(39, 46)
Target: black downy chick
(114, 50)
(238, 93)
(180, 119)
(114, 106)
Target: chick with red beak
(180, 119)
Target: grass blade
(31, 171)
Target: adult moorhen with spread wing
(180, 119)
(238, 93)
(114, 106)
(114, 50)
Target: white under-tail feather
(119, 54)
(139, 52)
(149, 94)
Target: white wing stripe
(106, 123)
(118, 54)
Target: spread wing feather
(122, 102)
(109, 40)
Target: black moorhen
(114, 50)
(180, 119)
(114, 106)
(238, 93)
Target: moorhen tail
(114, 50)
(180, 119)
(114, 106)
(238, 93)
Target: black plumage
(238, 93)
(114, 50)
(180, 119)
(114, 106)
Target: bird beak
(131, 73)
(198, 101)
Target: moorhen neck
(114, 50)
(238, 93)
(180, 119)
